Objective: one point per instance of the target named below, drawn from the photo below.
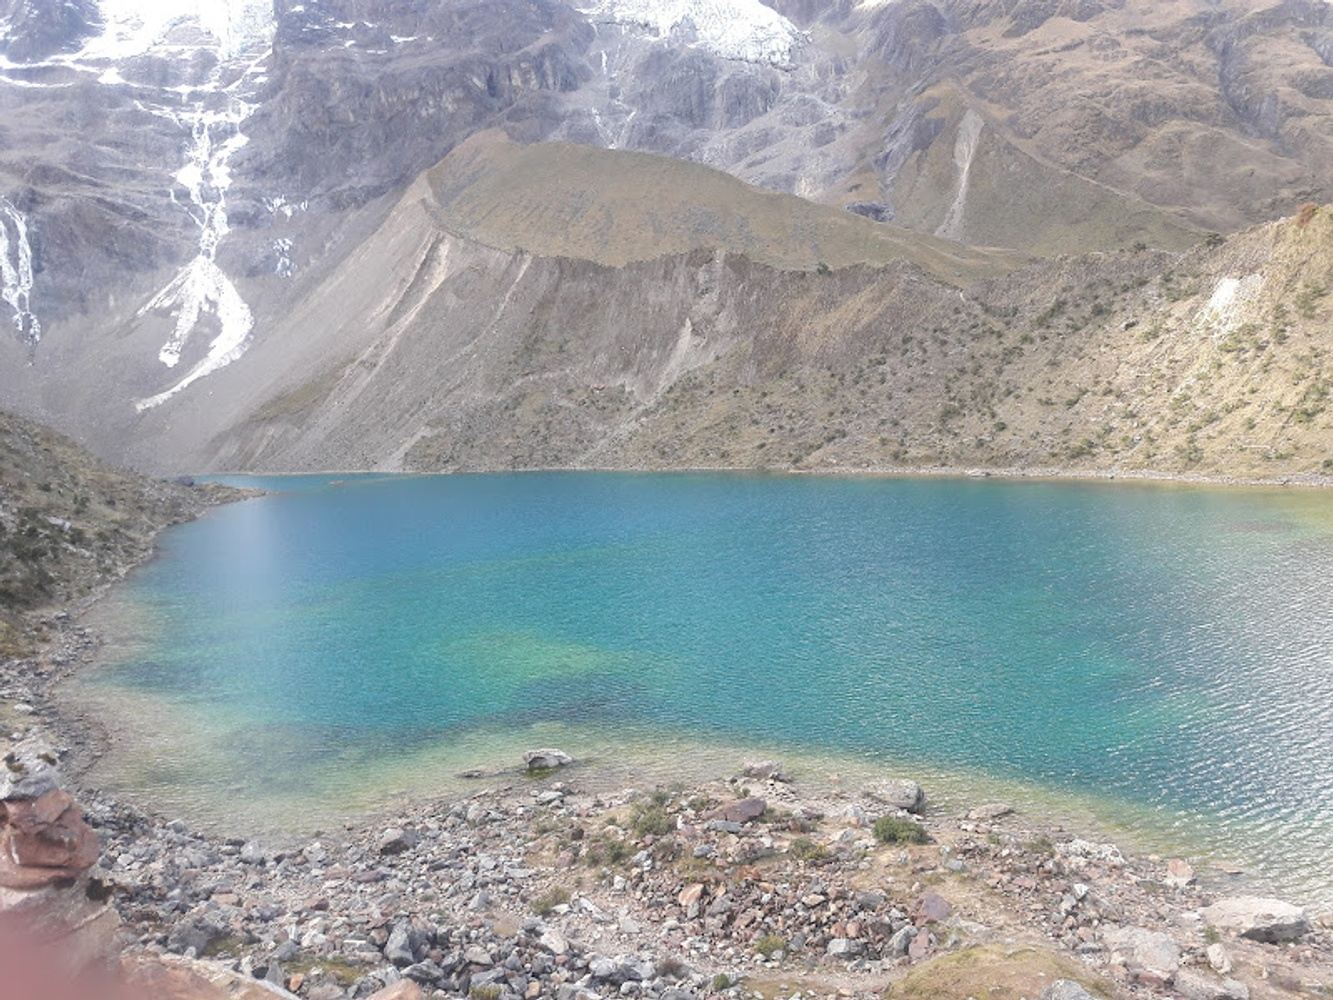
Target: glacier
(202, 288)
(744, 30)
(16, 272)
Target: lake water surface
(1162, 655)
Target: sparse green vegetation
(607, 850)
(805, 849)
(769, 945)
(898, 830)
(650, 818)
(546, 903)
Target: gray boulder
(1150, 956)
(404, 945)
(1269, 920)
(546, 759)
(1195, 985)
(845, 947)
(899, 793)
(396, 840)
(621, 969)
(901, 941)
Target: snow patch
(278, 205)
(733, 29)
(134, 26)
(1224, 310)
(16, 272)
(284, 266)
(202, 288)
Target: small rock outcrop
(899, 793)
(546, 759)
(740, 811)
(43, 837)
(46, 849)
(766, 770)
(1150, 957)
(1268, 920)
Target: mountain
(69, 522)
(474, 352)
(191, 192)
(480, 281)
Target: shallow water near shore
(1159, 657)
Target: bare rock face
(1269, 920)
(38, 30)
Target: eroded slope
(436, 348)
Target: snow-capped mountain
(215, 51)
(178, 176)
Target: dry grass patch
(993, 972)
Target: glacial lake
(1156, 657)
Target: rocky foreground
(751, 886)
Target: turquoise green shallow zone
(1166, 652)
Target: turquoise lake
(1160, 655)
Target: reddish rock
(47, 834)
(691, 894)
(169, 977)
(741, 811)
(44, 840)
(932, 908)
